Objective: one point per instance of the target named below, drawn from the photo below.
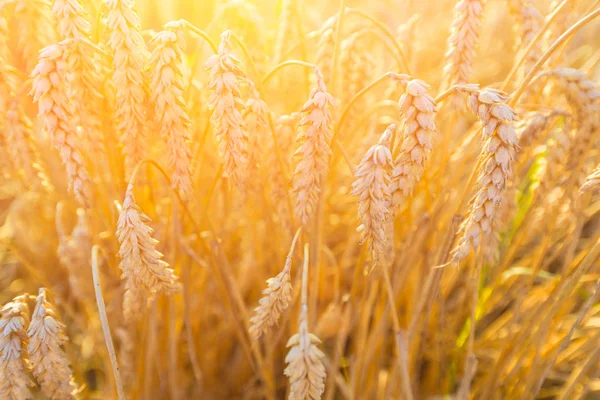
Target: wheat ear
(277, 297)
(418, 110)
(497, 157)
(372, 186)
(144, 272)
(49, 81)
(130, 57)
(48, 360)
(84, 80)
(463, 40)
(14, 379)
(256, 120)
(227, 105)
(314, 136)
(305, 367)
(171, 112)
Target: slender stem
(105, 327)
(272, 72)
(354, 99)
(304, 298)
(199, 32)
(455, 88)
(398, 335)
(538, 65)
(532, 43)
(384, 29)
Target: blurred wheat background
(269, 199)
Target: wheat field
(289, 199)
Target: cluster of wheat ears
(416, 182)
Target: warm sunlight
(303, 200)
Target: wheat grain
(277, 298)
(227, 105)
(418, 110)
(49, 362)
(145, 274)
(305, 369)
(372, 186)
(14, 379)
(592, 181)
(496, 162)
(130, 57)
(55, 109)
(171, 112)
(314, 135)
(463, 42)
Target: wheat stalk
(497, 156)
(372, 186)
(130, 56)
(314, 136)
(418, 110)
(285, 32)
(144, 272)
(277, 297)
(305, 368)
(55, 109)
(14, 379)
(49, 362)
(463, 41)
(171, 112)
(226, 103)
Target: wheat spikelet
(305, 368)
(583, 95)
(49, 362)
(55, 110)
(372, 186)
(358, 66)
(130, 57)
(257, 127)
(14, 380)
(418, 109)
(74, 253)
(529, 21)
(4, 33)
(534, 125)
(325, 47)
(170, 110)
(145, 274)
(35, 29)
(592, 181)
(21, 146)
(277, 298)
(314, 135)
(496, 162)
(463, 41)
(225, 78)
(83, 77)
